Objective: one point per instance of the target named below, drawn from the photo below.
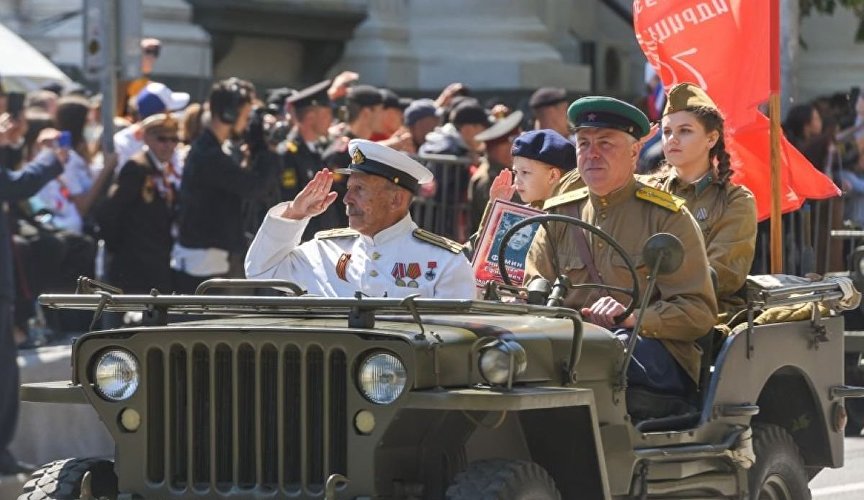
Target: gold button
(602, 216)
(600, 245)
(376, 255)
(373, 273)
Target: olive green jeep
(296, 396)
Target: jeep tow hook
(334, 482)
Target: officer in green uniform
(697, 169)
(683, 307)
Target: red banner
(723, 46)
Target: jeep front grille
(266, 417)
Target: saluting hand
(502, 186)
(312, 199)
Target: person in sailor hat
(382, 252)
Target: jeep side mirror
(665, 249)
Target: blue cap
(419, 109)
(546, 146)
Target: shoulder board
(568, 197)
(666, 200)
(438, 241)
(342, 232)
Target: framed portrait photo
(502, 216)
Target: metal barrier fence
(808, 243)
(447, 211)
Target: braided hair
(718, 157)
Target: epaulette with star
(342, 232)
(658, 197)
(568, 197)
(438, 241)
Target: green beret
(607, 112)
(687, 96)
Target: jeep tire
(62, 480)
(500, 479)
(778, 473)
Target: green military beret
(607, 112)
(687, 96)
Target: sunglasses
(165, 138)
(152, 51)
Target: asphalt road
(846, 483)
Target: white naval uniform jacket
(392, 262)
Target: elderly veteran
(136, 218)
(697, 169)
(683, 306)
(381, 253)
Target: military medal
(399, 273)
(414, 272)
(701, 214)
(430, 274)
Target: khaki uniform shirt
(726, 214)
(682, 308)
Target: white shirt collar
(404, 226)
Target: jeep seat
(656, 411)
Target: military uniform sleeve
(539, 263)
(732, 242)
(686, 308)
(272, 253)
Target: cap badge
(592, 117)
(357, 158)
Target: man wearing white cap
(381, 252)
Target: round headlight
(116, 375)
(382, 378)
(498, 359)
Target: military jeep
(351, 398)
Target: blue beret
(546, 146)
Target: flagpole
(774, 115)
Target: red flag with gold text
(723, 46)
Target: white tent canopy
(22, 67)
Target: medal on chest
(430, 273)
(399, 273)
(701, 214)
(414, 272)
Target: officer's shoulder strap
(658, 197)
(438, 241)
(342, 232)
(568, 197)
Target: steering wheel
(633, 291)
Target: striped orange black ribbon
(342, 266)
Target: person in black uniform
(499, 141)
(16, 185)
(301, 151)
(364, 106)
(214, 187)
(135, 220)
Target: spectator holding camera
(213, 189)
